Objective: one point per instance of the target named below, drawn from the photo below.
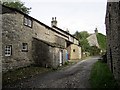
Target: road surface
(75, 76)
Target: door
(60, 57)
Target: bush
(104, 58)
(67, 62)
(94, 50)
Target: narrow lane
(76, 76)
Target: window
(73, 50)
(8, 50)
(119, 5)
(27, 22)
(109, 18)
(24, 47)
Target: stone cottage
(72, 45)
(26, 41)
(92, 39)
(112, 22)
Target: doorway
(61, 57)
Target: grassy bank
(101, 77)
(22, 73)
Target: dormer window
(27, 22)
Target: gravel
(75, 76)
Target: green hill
(82, 37)
(101, 41)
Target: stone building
(72, 45)
(74, 52)
(112, 22)
(26, 41)
(92, 39)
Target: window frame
(8, 50)
(24, 47)
(28, 21)
(73, 50)
(47, 32)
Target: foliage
(94, 50)
(101, 77)
(104, 58)
(85, 45)
(101, 41)
(67, 62)
(18, 5)
(81, 36)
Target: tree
(18, 5)
(85, 45)
(81, 36)
(94, 50)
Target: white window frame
(24, 47)
(8, 50)
(27, 22)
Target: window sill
(24, 50)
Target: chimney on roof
(67, 30)
(96, 30)
(54, 22)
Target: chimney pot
(54, 21)
(96, 30)
(55, 18)
(52, 18)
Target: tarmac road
(75, 76)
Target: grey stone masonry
(19, 46)
(15, 33)
(113, 37)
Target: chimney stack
(54, 22)
(96, 30)
(67, 30)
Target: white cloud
(74, 16)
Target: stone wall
(14, 33)
(113, 36)
(74, 52)
(60, 41)
(43, 33)
(0, 47)
(42, 54)
(46, 55)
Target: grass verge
(22, 73)
(101, 77)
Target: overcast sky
(74, 15)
